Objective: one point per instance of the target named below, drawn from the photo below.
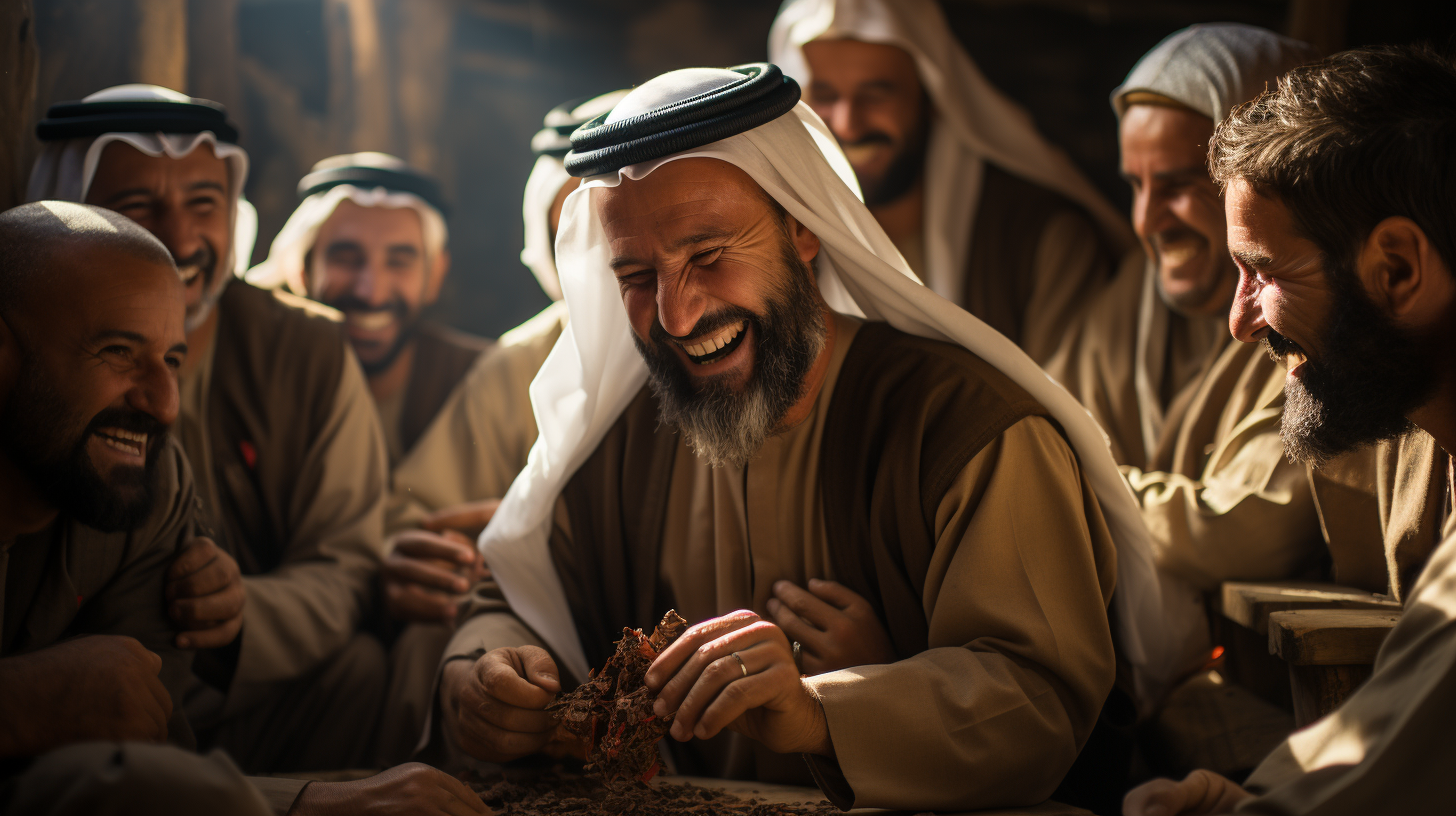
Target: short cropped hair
(31, 233)
(1349, 141)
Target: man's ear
(1404, 274)
(439, 268)
(806, 243)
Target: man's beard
(1361, 390)
(727, 425)
(206, 261)
(408, 323)
(48, 441)
(905, 168)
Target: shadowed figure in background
(1338, 187)
(277, 421)
(986, 212)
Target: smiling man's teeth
(715, 342)
(125, 441)
(188, 272)
(371, 321)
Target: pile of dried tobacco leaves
(612, 715)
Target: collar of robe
(762, 95)
(366, 177)
(76, 120)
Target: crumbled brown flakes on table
(546, 792)
(612, 710)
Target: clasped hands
(736, 672)
(427, 570)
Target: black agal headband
(73, 120)
(763, 95)
(368, 177)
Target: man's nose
(369, 284)
(154, 392)
(1150, 213)
(1246, 318)
(844, 121)
(177, 234)
(679, 307)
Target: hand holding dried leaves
(612, 710)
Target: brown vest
(275, 376)
(907, 415)
(442, 357)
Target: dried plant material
(612, 711)
(547, 792)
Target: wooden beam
(159, 55)
(426, 33)
(19, 70)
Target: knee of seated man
(124, 778)
(357, 675)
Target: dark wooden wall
(458, 87)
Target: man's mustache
(707, 324)
(871, 139)
(350, 303)
(205, 259)
(1280, 346)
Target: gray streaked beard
(724, 425)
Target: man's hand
(100, 687)
(757, 693)
(426, 572)
(205, 596)
(468, 519)
(1201, 792)
(835, 627)
(413, 789)
(499, 702)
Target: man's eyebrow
(127, 193)
(1178, 174)
(700, 237)
(343, 243)
(207, 184)
(180, 348)
(117, 334)
(409, 249)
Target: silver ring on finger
(741, 664)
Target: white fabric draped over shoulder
(975, 123)
(595, 369)
(64, 170)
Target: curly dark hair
(1349, 141)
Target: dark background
(457, 87)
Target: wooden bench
(1330, 652)
(1247, 608)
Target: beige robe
(479, 440)
(1387, 749)
(1020, 656)
(313, 506)
(71, 580)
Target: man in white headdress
(891, 484)
(276, 419)
(985, 211)
(369, 239)
(1194, 414)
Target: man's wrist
(817, 739)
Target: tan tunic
(1020, 651)
(1388, 747)
(442, 357)
(479, 440)
(309, 579)
(71, 580)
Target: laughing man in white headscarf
(1193, 413)
(986, 212)
(894, 486)
(276, 419)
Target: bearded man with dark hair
(1340, 186)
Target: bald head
(41, 242)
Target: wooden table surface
(789, 795)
